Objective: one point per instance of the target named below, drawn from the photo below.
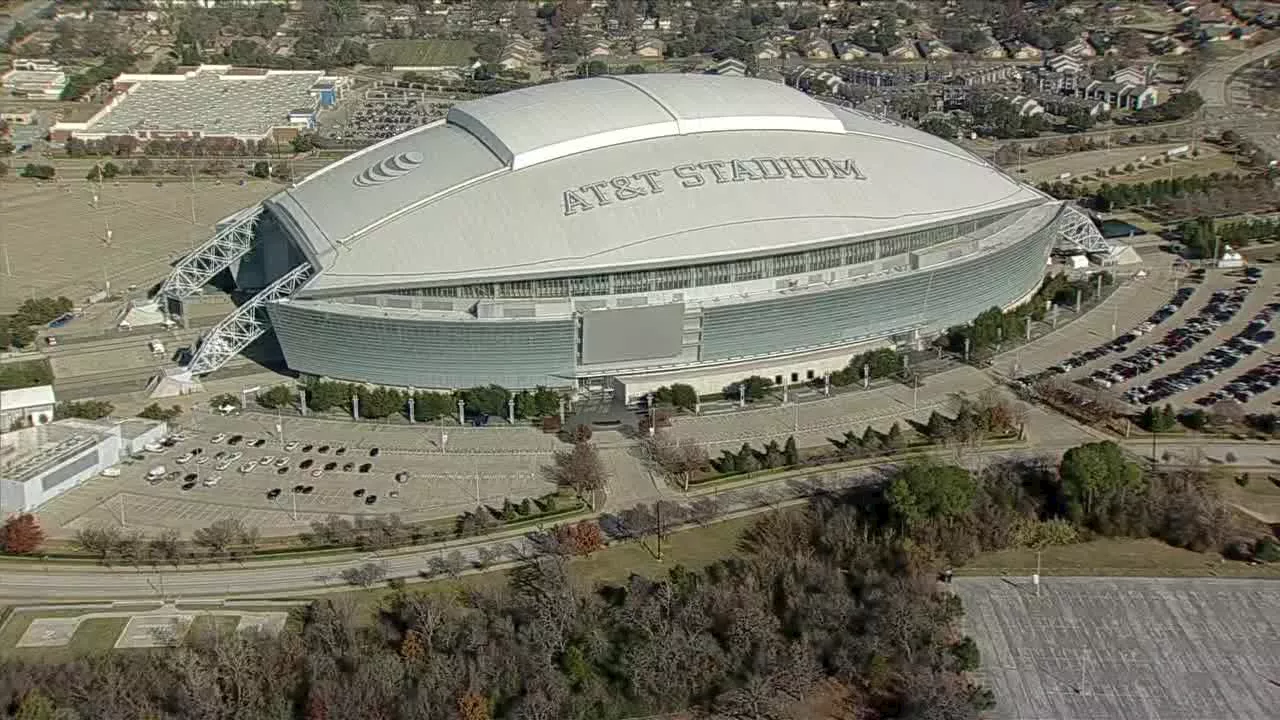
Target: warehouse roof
(610, 173)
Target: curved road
(1212, 84)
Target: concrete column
(511, 410)
(742, 395)
(411, 420)
(302, 402)
(355, 406)
(1028, 328)
(826, 384)
(462, 413)
(1077, 301)
(561, 412)
(966, 349)
(866, 376)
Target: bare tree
(581, 470)
(165, 547)
(101, 540)
(132, 547)
(220, 535)
(675, 460)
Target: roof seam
(656, 100)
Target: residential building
(1122, 95)
(651, 48)
(934, 49)
(991, 51)
(729, 67)
(848, 50)
(767, 50)
(1064, 63)
(904, 50)
(34, 83)
(1019, 50)
(599, 48)
(817, 49)
(1079, 48)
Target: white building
(26, 406)
(42, 462)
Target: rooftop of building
(213, 100)
(28, 452)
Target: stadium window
(777, 379)
(825, 258)
(632, 282)
(808, 374)
(551, 288)
(748, 269)
(795, 377)
(789, 264)
(717, 274)
(589, 285)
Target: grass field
(425, 53)
(1261, 497)
(92, 636)
(1115, 557)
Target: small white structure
(1230, 258)
(1078, 262)
(26, 406)
(42, 462)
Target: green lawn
(220, 625)
(1143, 558)
(92, 636)
(427, 53)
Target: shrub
(1267, 550)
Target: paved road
(1212, 84)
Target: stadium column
(355, 406)
(411, 405)
(511, 410)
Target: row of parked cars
(1121, 343)
(1259, 379)
(1221, 309)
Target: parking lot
(1193, 348)
(282, 486)
(386, 111)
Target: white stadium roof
(612, 173)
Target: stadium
(624, 233)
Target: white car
(218, 438)
(248, 467)
(184, 459)
(212, 480)
(235, 456)
(153, 447)
(266, 459)
(223, 465)
(317, 472)
(291, 446)
(202, 459)
(284, 461)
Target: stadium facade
(628, 232)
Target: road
(30, 582)
(1212, 84)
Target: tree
(155, 412)
(277, 396)
(581, 538)
(894, 439)
(473, 706)
(101, 540)
(755, 387)
(677, 395)
(1158, 420)
(365, 575)
(261, 169)
(791, 453)
(678, 461)
(217, 402)
(84, 409)
(581, 470)
(220, 536)
(1093, 476)
(165, 547)
(36, 705)
(924, 491)
(21, 534)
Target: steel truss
(246, 324)
(1077, 232)
(229, 243)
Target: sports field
(54, 241)
(422, 53)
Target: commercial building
(39, 463)
(26, 406)
(625, 233)
(210, 101)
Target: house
(1121, 95)
(817, 49)
(1132, 75)
(651, 48)
(1061, 83)
(26, 407)
(1026, 106)
(518, 53)
(1216, 32)
(1063, 64)
(1019, 50)
(846, 50)
(991, 50)
(729, 67)
(1079, 48)
(904, 50)
(1168, 45)
(767, 50)
(599, 48)
(934, 49)
(985, 75)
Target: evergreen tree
(790, 452)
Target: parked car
(273, 493)
(218, 438)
